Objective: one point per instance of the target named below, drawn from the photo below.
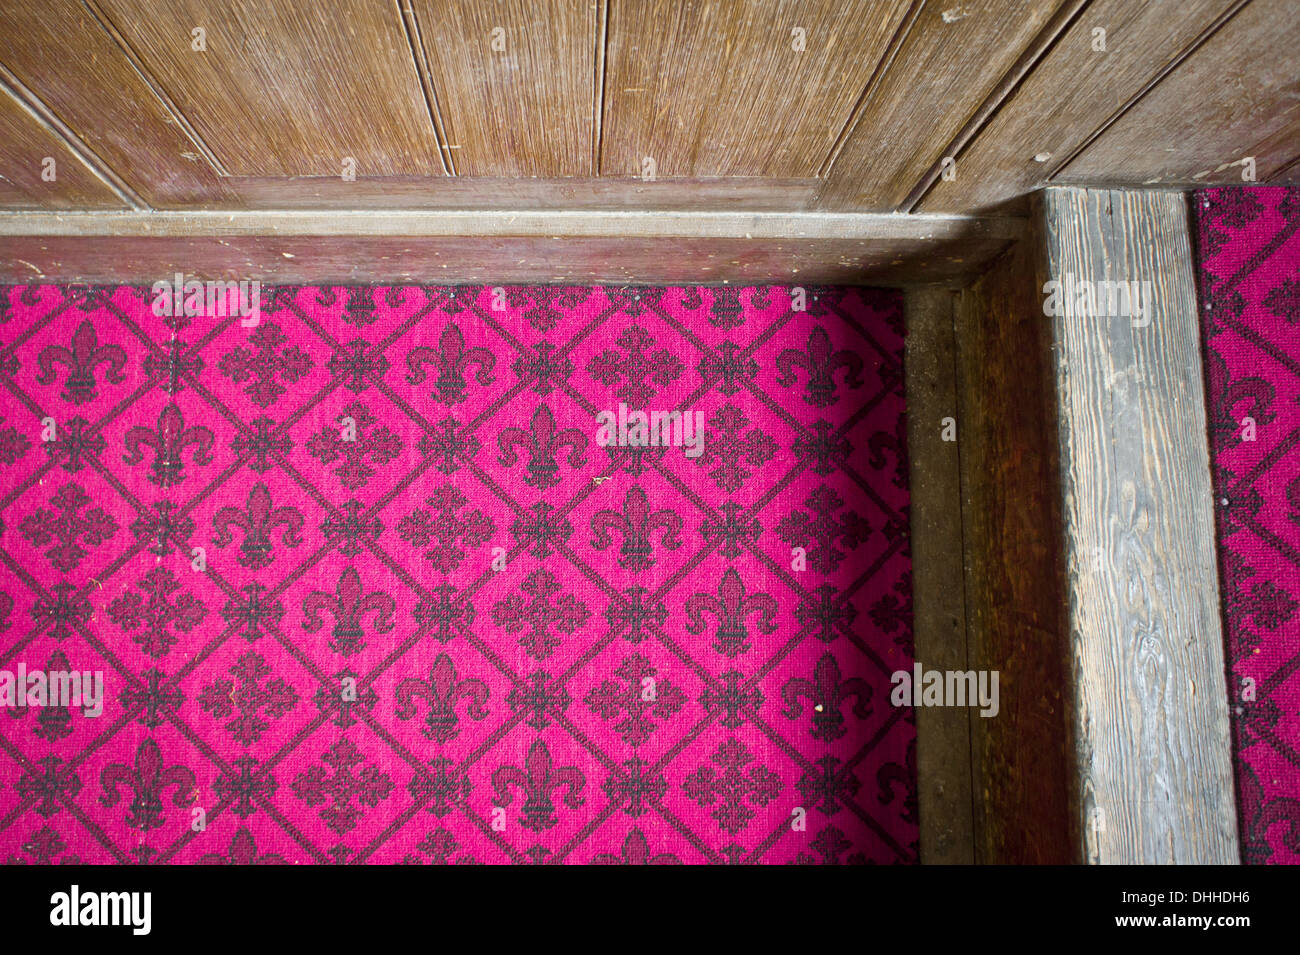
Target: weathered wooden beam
(943, 755)
(1148, 701)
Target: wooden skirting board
(552, 246)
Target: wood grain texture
(1237, 95)
(943, 753)
(1070, 94)
(523, 111)
(951, 60)
(715, 87)
(25, 144)
(289, 88)
(1150, 715)
(463, 192)
(93, 88)
(637, 248)
(1014, 579)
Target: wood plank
(552, 246)
(288, 88)
(950, 62)
(943, 743)
(1237, 95)
(716, 88)
(1070, 94)
(1013, 578)
(58, 50)
(523, 111)
(1150, 713)
(26, 143)
(465, 192)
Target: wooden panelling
(1238, 95)
(1073, 92)
(627, 247)
(27, 145)
(527, 108)
(1015, 624)
(943, 754)
(289, 88)
(1150, 705)
(952, 59)
(717, 88)
(94, 89)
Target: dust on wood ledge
(638, 247)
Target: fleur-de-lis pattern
(1249, 283)
(365, 587)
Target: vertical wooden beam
(1149, 710)
(1013, 577)
(938, 599)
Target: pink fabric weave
(471, 634)
(1249, 246)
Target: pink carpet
(1249, 244)
(364, 588)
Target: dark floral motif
(268, 366)
(1284, 301)
(67, 527)
(60, 612)
(443, 692)
(168, 440)
(452, 360)
(82, 357)
(157, 612)
(259, 444)
(826, 691)
(731, 607)
(44, 847)
(75, 445)
(636, 524)
(543, 443)
(820, 361)
(370, 444)
(542, 614)
(253, 699)
(445, 525)
(732, 787)
(148, 780)
(642, 369)
(733, 450)
(258, 520)
(637, 695)
(341, 781)
(254, 613)
(349, 605)
(540, 697)
(537, 780)
(822, 530)
(13, 444)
